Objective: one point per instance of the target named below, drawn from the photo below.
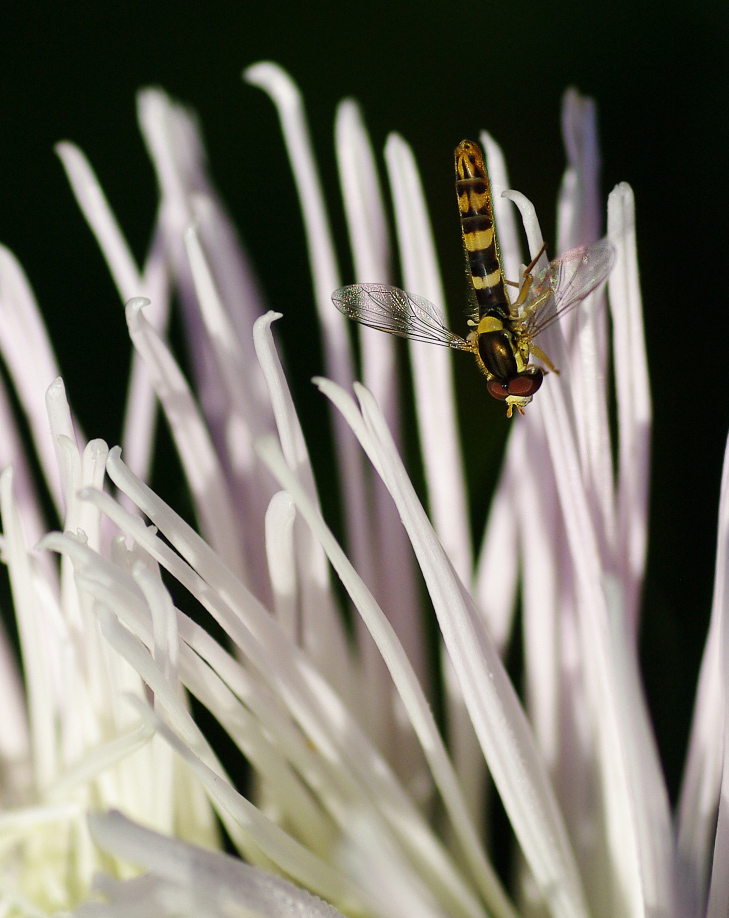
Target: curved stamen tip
(274, 80)
(137, 303)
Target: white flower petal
(285, 852)
(245, 387)
(437, 428)
(95, 208)
(704, 778)
(355, 768)
(97, 761)
(633, 401)
(15, 768)
(362, 196)
(170, 133)
(249, 625)
(585, 328)
(245, 394)
(504, 213)
(63, 434)
(387, 563)
(12, 452)
(635, 795)
(234, 279)
(337, 349)
(380, 868)
(579, 210)
(280, 518)
(201, 666)
(287, 98)
(401, 671)
(198, 883)
(141, 406)
(370, 245)
(140, 416)
(533, 231)
(318, 613)
(34, 632)
(198, 456)
(164, 621)
(176, 148)
(287, 421)
(546, 606)
(718, 904)
(432, 374)
(497, 570)
(174, 144)
(22, 332)
(29, 816)
(492, 703)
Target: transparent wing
(566, 281)
(391, 310)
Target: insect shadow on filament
(502, 336)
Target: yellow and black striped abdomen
(479, 233)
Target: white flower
(356, 797)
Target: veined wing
(568, 280)
(391, 310)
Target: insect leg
(540, 355)
(533, 263)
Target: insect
(502, 333)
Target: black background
(435, 72)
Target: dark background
(435, 72)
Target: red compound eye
(497, 389)
(524, 385)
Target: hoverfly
(502, 333)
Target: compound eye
(524, 385)
(497, 389)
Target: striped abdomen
(479, 234)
